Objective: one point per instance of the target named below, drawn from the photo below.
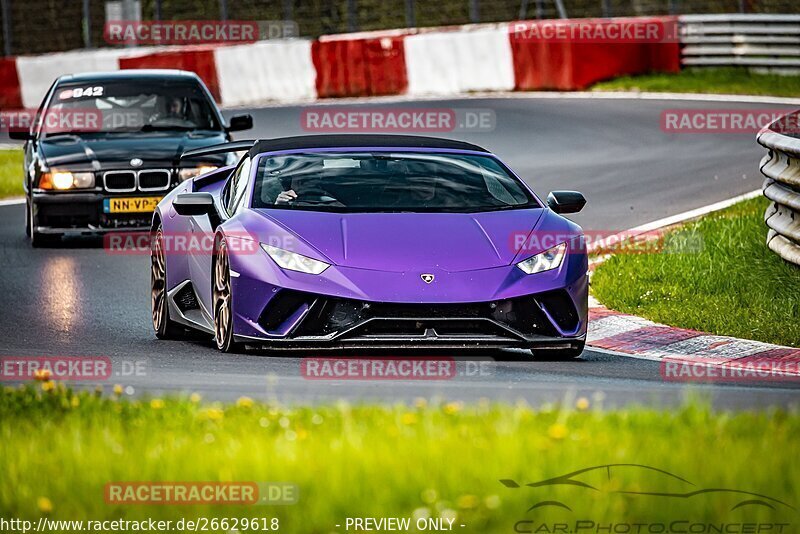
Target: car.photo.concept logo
(641, 483)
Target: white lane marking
(12, 201)
(673, 220)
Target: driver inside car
(303, 187)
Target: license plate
(130, 205)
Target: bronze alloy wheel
(164, 327)
(223, 308)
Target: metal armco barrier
(769, 42)
(782, 186)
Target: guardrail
(770, 42)
(782, 186)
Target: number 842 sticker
(81, 92)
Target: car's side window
(37, 119)
(238, 186)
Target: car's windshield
(129, 106)
(387, 182)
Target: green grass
(739, 81)
(11, 173)
(59, 449)
(733, 286)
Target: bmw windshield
(387, 182)
(130, 106)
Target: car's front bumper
(292, 319)
(84, 213)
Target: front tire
(38, 239)
(164, 327)
(223, 301)
(28, 218)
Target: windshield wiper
(316, 202)
(156, 128)
(75, 135)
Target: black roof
(128, 74)
(359, 141)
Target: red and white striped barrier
(433, 61)
(457, 62)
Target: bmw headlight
(544, 261)
(291, 261)
(193, 172)
(63, 180)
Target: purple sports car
(368, 241)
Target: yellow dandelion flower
(118, 389)
(420, 402)
(215, 414)
(467, 501)
(195, 397)
(156, 404)
(557, 431)
(452, 407)
(42, 375)
(582, 403)
(44, 504)
(408, 419)
(48, 385)
(75, 401)
(244, 402)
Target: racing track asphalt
(76, 300)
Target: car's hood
(98, 152)
(400, 242)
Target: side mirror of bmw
(195, 204)
(20, 135)
(566, 201)
(240, 122)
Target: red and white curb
(641, 338)
(628, 335)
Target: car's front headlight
(63, 180)
(544, 261)
(193, 172)
(291, 261)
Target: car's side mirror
(20, 135)
(240, 122)
(195, 205)
(566, 201)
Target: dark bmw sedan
(104, 149)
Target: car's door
(202, 231)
